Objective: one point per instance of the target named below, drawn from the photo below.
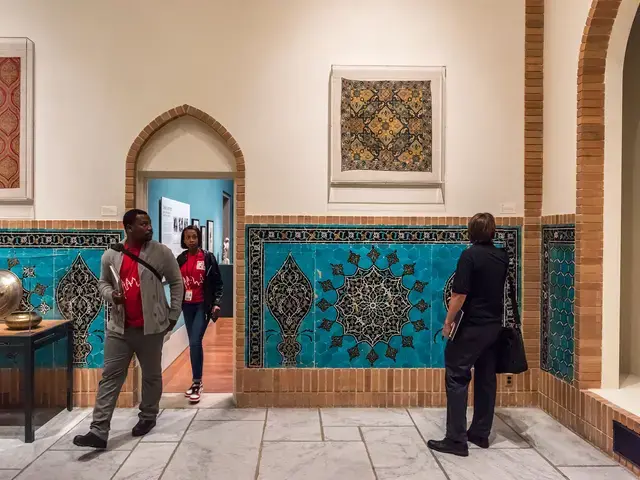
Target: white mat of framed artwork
(23, 49)
(436, 76)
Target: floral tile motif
(386, 125)
(339, 297)
(59, 271)
(557, 342)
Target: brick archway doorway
(131, 182)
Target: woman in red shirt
(202, 295)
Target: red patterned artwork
(9, 122)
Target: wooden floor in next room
(218, 362)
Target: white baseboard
(176, 344)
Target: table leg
(70, 367)
(27, 391)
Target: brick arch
(590, 191)
(239, 207)
(161, 121)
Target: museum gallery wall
(491, 114)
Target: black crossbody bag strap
(118, 247)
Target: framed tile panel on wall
(59, 271)
(557, 339)
(348, 296)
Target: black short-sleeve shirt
(480, 275)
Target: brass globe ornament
(10, 298)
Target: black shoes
(143, 427)
(481, 442)
(89, 440)
(449, 446)
(93, 441)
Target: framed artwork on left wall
(210, 235)
(203, 231)
(195, 222)
(16, 120)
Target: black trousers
(473, 346)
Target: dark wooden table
(27, 342)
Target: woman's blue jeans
(196, 323)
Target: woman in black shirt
(478, 293)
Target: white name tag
(200, 265)
(188, 295)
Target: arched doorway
(133, 195)
(598, 192)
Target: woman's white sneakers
(194, 392)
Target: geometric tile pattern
(59, 271)
(349, 296)
(557, 342)
(386, 126)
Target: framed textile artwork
(16, 120)
(386, 126)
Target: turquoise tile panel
(59, 271)
(557, 342)
(352, 297)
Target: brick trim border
(239, 192)
(364, 387)
(562, 219)
(533, 164)
(368, 220)
(61, 224)
(590, 191)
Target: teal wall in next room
(205, 198)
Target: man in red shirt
(131, 280)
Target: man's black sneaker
(143, 427)
(449, 446)
(89, 440)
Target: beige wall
(106, 69)
(630, 251)
(186, 145)
(564, 23)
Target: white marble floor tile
(285, 424)
(315, 461)
(400, 452)
(493, 464)
(558, 444)
(146, 462)
(78, 465)
(170, 426)
(15, 454)
(232, 414)
(342, 434)
(217, 450)
(8, 474)
(597, 473)
(365, 417)
(432, 425)
(124, 419)
(207, 400)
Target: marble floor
(216, 441)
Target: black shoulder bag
(118, 247)
(512, 357)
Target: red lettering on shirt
(130, 278)
(193, 273)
